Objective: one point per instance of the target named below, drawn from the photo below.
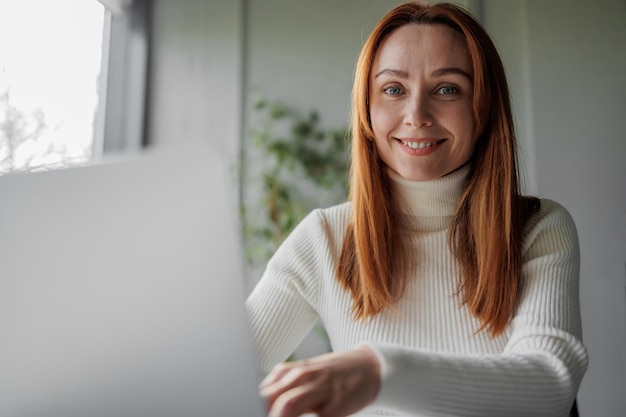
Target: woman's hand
(334, 384)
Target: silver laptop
(121, 291)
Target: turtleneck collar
(434, 198)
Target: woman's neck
(433, 198)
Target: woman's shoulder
(336, 210)
(319, 231)
(551, 222)
(333, 216)
(322, 223)
(550, 211)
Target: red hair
(486, 233)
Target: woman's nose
(418, 112)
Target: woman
(442, 289)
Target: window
(49, 76)
(73, 79)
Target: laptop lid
(122, 293)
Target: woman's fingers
(297, 401)
(280, 370)
(285, 378)
(335, 384)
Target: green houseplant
(299, 166)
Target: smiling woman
(443, 289)
(421, 102)
(49, 68)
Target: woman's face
(420, 101)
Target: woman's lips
(420, 146)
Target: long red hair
(486, 233)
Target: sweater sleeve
(543, 363)
(281, 306)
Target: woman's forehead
(422, 46)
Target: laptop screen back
(121, 291)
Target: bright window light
(50, 60)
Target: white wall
(579, 78)
(566, 63)
(196, 73)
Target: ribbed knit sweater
(432, 362)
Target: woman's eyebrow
(393, 72)
(440, 72)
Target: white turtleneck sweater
(432, 362)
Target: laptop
(122, 292)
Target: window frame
(121, 118)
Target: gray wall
(580, 151)
(566, 63)
(196, 73)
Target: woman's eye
(393, 90)
(447, 90)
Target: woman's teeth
(418, 145)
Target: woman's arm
(543, 363)
(281, 308)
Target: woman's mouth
(420, 144)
